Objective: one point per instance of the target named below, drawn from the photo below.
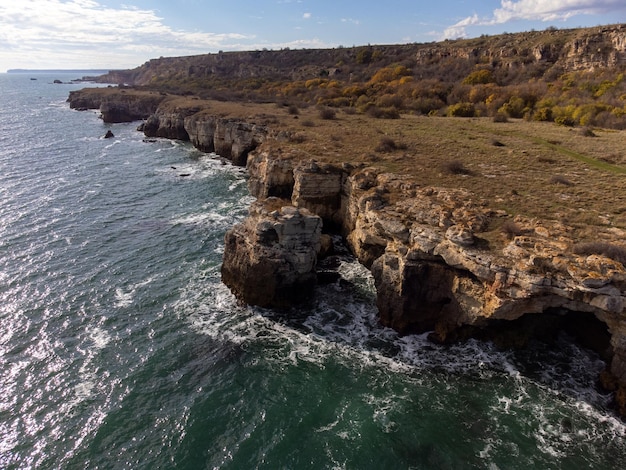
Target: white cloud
(350, 20)
(458, 30)
(307, 16)
(84, 33)
(536, 10)
(552, 10)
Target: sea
(120, 348)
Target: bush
(364, 56)
(390, 100)
(461, 110)
(560, 179)
(383, 113)
(543, 114)
(456, 167)
(479, 77)
(614, 252)
(387, 144)
(510, 229)
(565, 121)
(587, 132)
(327, 113)
(500, 117)
(514, 108)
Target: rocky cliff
(117, 105)
(175, 117)
(269, 259)
(432, 269)
(434, 265)
(567, 50)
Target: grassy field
(537, 170)
(532, 169)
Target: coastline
(438, 262)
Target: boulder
(270, 258)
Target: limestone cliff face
(269, 259)
(174, 118)
(121, 106)
(584, 49)
(577, 49)
(230, 138)
(432, 269)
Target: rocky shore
(434, 266)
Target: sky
(103, 34)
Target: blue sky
(124, 34)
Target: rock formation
(568, 49)
(435, 268)
(269, 259)
(174, 118)
(432, 269)
(116, 105)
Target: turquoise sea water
(121, 349)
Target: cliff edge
(438, 263)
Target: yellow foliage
(479, 77)
(389, 74)
(315, 82)
(354, 90)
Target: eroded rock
(270, 258)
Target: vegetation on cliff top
(329, 104)
(571, 77)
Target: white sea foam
(99, 336)
(203, 218)
(124, 298)
(342, 326)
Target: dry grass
(514, 177)
(615, 252)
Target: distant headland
(89, 71)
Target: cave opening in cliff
(583, 328)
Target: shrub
(293, 109)
(338, 102)
(364, 56)
(479, 77)
(387, 144)
(297, 138)
(500, 117)
(327, 113)
(388, 74)
(389, 100)
(560, 179)
(456, 167)
(565, 121)
(587, 132)
(514, 108)
(614, 252)
(383, 113)
(510, 229)
(461, 110)
(543, 114)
